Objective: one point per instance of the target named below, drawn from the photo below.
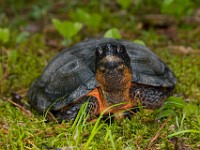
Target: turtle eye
(121, 49)
(99, 50)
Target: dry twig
(150, 143)
(24, 110)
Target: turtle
(114, 76)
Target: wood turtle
(104, 72)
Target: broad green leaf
(67, 28)
(113, 33)
(4, 35)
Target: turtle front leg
(70, 111)
(150, 97)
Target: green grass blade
(182, 132)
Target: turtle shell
(71, 74)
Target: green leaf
(113, 33)
(22, 37)
(67, 28)
(95, 20)
(124, 3)
(169, 107)
(175, 102)
(163, 113)
(92, 20)
(82, 15)
(177, 8)
(37, 11)
(166, 3)
(66, 42)
(4, 35)
(139, 42)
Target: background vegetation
(32, 32)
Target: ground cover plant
(32, 32)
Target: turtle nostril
(120, 48)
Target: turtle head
(112, 55)
(113, 69)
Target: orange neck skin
(103, 105)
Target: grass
(24, 61)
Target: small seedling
(67, 29)
(139, 42)
(90, 19)
(4, 35)
(169, 107)
(113, 33)
(124, 3)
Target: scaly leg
(150, 97)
